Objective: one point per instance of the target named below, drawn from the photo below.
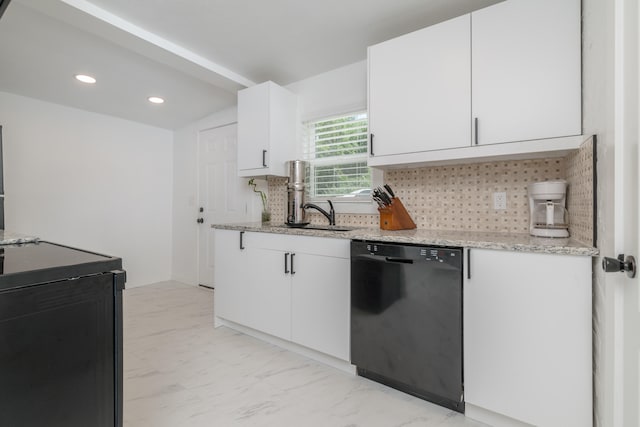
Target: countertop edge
(474, 240)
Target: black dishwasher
(406, 319)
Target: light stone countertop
(11, 238)
(518, 242)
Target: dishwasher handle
(381, 258)
(398, 260)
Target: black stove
(60, 336)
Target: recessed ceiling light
(85, 79)
(155, 99)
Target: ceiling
(194, 53)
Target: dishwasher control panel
(415, 253)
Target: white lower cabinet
(296, 288)
(527, 338)
(268, 292)
(320, 303)
(230, 277)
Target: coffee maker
(295, 193)
(547, 209)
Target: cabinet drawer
(337, 248)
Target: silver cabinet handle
(371, 144)
(475, 125)
(468, 263)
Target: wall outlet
(500, 200)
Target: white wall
(185, 195)
(92, 181)
(338, 91)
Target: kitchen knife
(390, 191)
(384, 196)
(376, 196)
(380, 198)
(379, 202)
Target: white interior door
(223, 196)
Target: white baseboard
(334, 362)
(491, 418)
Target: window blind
(337, 153)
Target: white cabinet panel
(266, 129)
(526, 59)
(253, 127)
(420, 90)
(229, 276)
(320, 303)
(527, 336)
(268, 303)
(251, 286)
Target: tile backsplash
(580, 196)
(460, 197)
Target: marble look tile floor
(179, 371)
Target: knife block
(395, 217)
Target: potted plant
(266, 215)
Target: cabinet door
(253, 127)
(268, 292)
(527, 336)
(321, 304)
(230, 276)
(526, 74)
(420, 90)
(267, 117)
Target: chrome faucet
(331, 215)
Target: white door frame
(620, 403)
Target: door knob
(620, 264)
(200, 220)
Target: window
(336, 149)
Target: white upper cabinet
(420, 90)
(266, 129)
(526, 70)
(511, 70)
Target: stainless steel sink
(319, 227)
(326, 227)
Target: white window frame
(343, 205)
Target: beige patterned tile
(460, 197)
(580, 192)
